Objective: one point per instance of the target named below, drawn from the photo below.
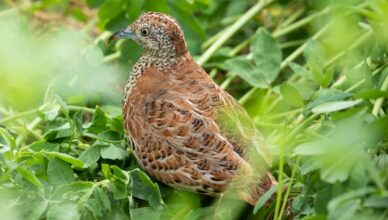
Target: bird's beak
(123, 33)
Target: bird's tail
(251, 196)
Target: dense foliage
(313, 75)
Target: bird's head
(158, 33)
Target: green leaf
(118, 214)
(143, 188)
(314, 54)
(325, 96)
(337, 154)
(44, 146)
(72, 188)
(152, 5)
(291, 95)
(65, 157)
(335, 106)
(376, 202)
(61, 211)
(30, 177)
(119, 183)
(59, 172)
(10, 140)
(61, 132)
(244, 68)
(34, 209)
(99, 122)
(301, 71)
(105, 204)
(90, 155)
(346, 205)
(267, 55)
(106, 170)
(50, 114)
(145, 213)
(110, 9)
(264, 198)
(110, 151)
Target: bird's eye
(145, 32)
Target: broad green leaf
(65, 157)
(264, 198)
(376, 202)
(106, 170)
(244, 68)
(110, 151)
(324, 96)
(110, 9)
(267, 55)
(301, 71)
(335, 106)
(72, 188)
(10, 140)
(346, 205)
(44, 146)
(143, 188)
(99, 122)
(61, 211)
(90, 155)
(291, 95)
(145, 213)
(118, 214)
(59, 172)
(34, 209)
(152, 5)
(337, 154)
(51, 114)
(314, 54)
(61, 132)
(103, 199)
(30, 177)
(119, 181)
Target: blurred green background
(311, 74)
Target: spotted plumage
(186, 131)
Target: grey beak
(123, 33)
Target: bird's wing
(209, 128)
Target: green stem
(81, 108)
(379, 101)
(280, 182)
(213, 73)
(293, 172)
(18, 115)
(295, 15)
(228, 80)
(287, 113)
(232, 30)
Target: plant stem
(280, 182)
(18, 115)
(232, 30)
(81, 108)
(293, 172)
(379, 101)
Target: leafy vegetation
(313, 75)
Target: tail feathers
(265, 184)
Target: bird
(186, 131)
